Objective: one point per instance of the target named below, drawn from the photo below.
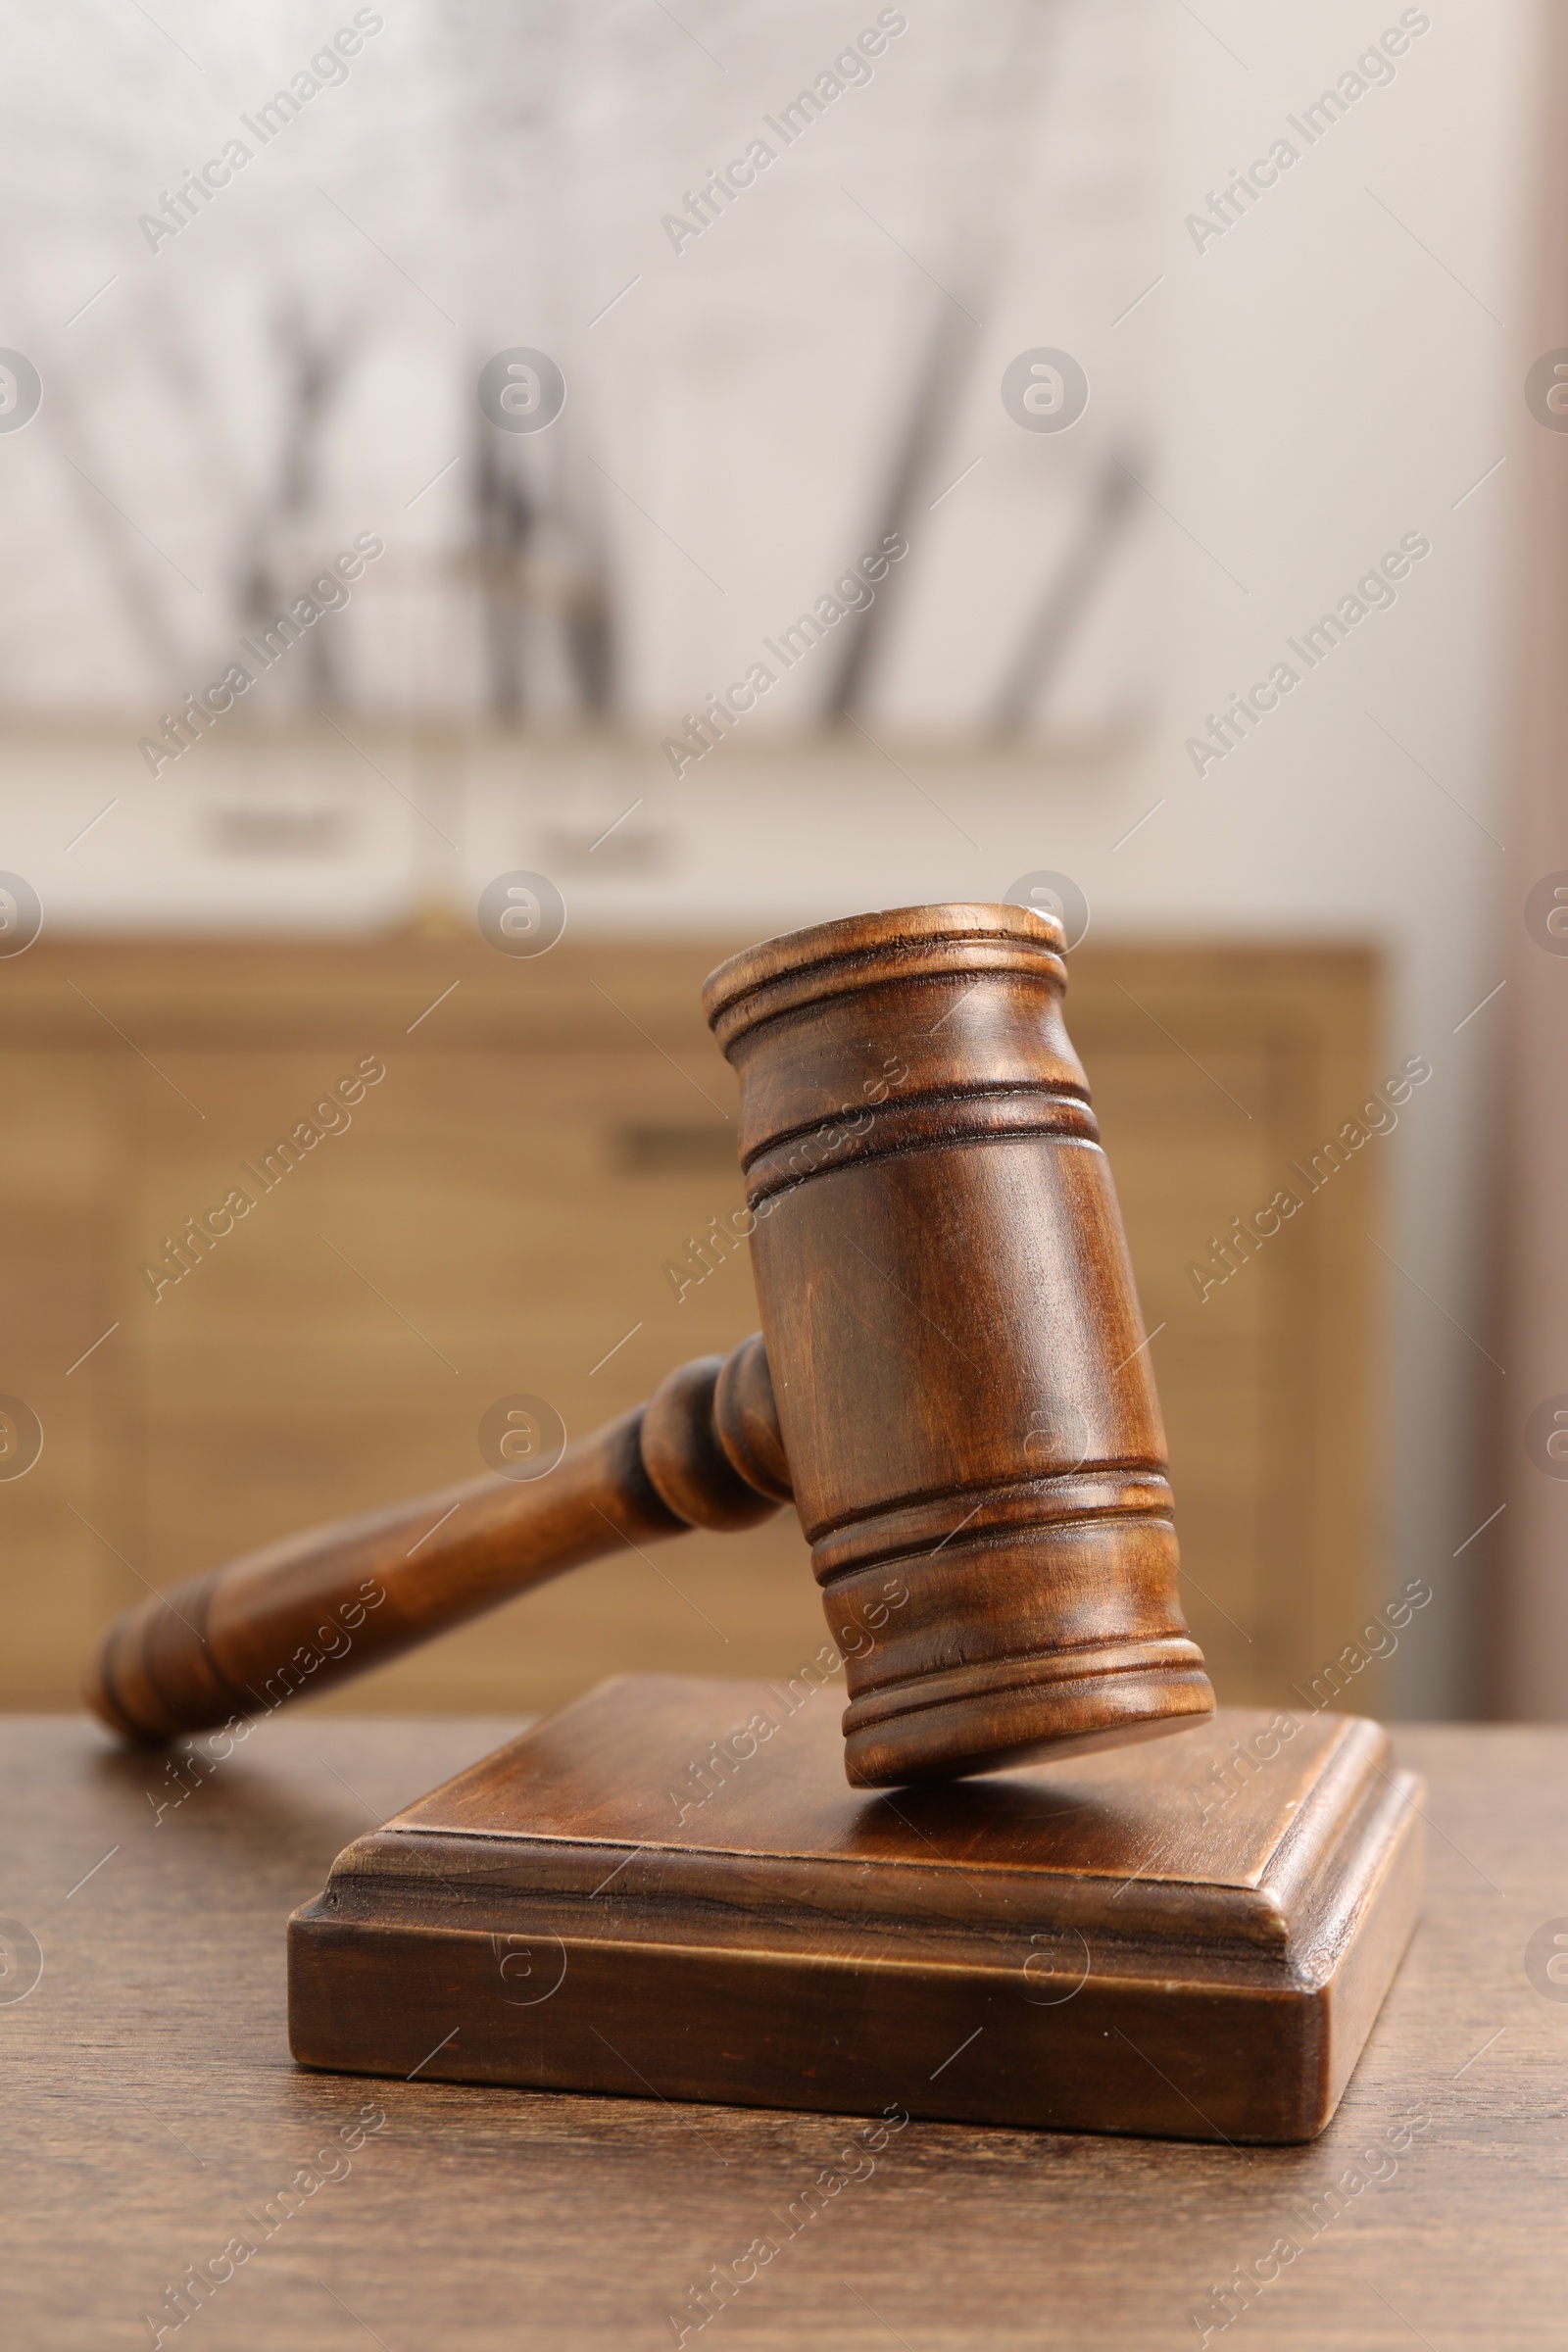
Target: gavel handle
(305, 1614)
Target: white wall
(1333, 385)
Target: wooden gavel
(956, 1394)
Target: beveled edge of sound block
(668, 1888)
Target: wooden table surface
(153, 2113)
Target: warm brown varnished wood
(961, 1371)
(669, 1887)
(517, 1189)
(151, 2109)
(308, 1613)
(964, 1372)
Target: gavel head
(961, 1375)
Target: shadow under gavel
(956, 1394)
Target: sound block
(670, 1889)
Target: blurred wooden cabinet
(499, 1214)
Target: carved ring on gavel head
(956, 1392)
(962, 1374)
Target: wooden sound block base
(670, 1888)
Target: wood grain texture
(961, 1371)
(506, 1203)
(306, 1614)
(668, 1887)
(151, 2102)
(946, 1291)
